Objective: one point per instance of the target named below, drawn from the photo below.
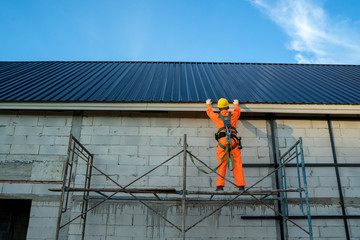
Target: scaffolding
(77, 151)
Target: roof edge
(180, 62)
(184, 107)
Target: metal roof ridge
(181, 62)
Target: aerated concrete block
(135, 140)
(24, 149)
(41, 233)
(191, 122)
(44, 212)
(349, 124)
(120, 170)
(62, 141)
(127, 131)
(156, 160)
(134, 160)
(165, 122)
(57, 131)
(24, 120)
(256, 232)
(98, 149)
(28, 130)
(153, 131)
(180, 131)
(55, 121)
(164, 181)
(153, 151)
(47, 171)
(95, 130)
(105, 140)
(107, 121)
(151, 170)
(123, 150)
(45, 222)
(126, 219)
(249, 152)
(319, 124)
(129, 231)
(165, 141)
(5, 119)
(4, 149)
(41, 140)
(4, 139)
(198, 181)
(17, 188)
(53, 150)
(198, 141)
(206, 132)
(332, 232)
(135, 122)
(43, 189)
(320, 152)
(7, 130)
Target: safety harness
(230, 133)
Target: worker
(226, 155)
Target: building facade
(128, 139)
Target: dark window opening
(14, 218)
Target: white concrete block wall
(347, 140)
(128, 145)
(254, 141)
(131, 220)
(350, 181)
(315, 135)
(149, 141)
(38, 138)
(43, 219)
(317, 149)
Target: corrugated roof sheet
(179, 82)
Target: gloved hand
(236, 102)
(208, 101)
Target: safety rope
(228, 153)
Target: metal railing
(295, 152)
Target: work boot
(220, 188)
(241, 188)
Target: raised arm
(210, 111)
(237, 110)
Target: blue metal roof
(179, 82)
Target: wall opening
(14, 218)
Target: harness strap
(231, 131)
(228, 148)
(224, 128)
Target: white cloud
(315, 36)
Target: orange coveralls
(238, 169)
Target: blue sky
(260, 31)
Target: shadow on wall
(284, 133)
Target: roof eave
(184, 107)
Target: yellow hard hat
(223, 103)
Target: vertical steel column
(276, 164)
(86, 193)
(184, 189)
(63, 190)
(306, 190)
(338, 178)
(284, 197)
